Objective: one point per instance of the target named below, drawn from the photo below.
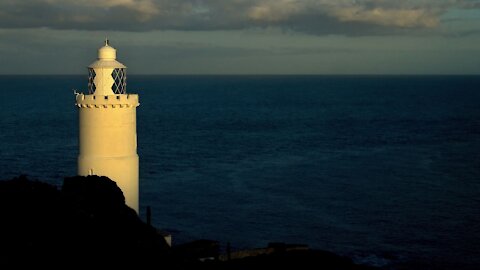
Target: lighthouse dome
(107, 56)
(107, 53)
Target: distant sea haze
(384, 169)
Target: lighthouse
(107, 125)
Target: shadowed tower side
(107, 125)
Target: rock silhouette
(85, 221)
(87, 224)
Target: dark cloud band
(311, 16)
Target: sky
(243, 36)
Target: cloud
(382, 13)
(394, 17)
(274, 10)
(145, 9)
(312, 16)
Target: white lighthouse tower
(107, 125)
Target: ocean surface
(384, 169)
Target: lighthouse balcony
(121, 100)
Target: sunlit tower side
(107, 125)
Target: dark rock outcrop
(87, 224)
(86, 221)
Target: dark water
(385, 169)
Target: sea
(382, 169)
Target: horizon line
(265, 74)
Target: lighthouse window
(91, 84)
(120, 81)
